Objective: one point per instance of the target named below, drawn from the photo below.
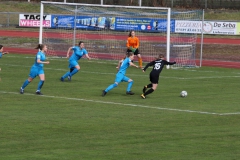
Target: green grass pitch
(72, 121)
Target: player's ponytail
(40, 46)
(130, 33)
(1, 46)
(80, 42)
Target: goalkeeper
(158, 65)
(133, 45)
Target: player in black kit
(158, 65)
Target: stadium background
(217, 48)
(206, 4)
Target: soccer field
(73, 121)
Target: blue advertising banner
(112, 23)
(143, 24)
(82, 22)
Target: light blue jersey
(37, 68)
(124, 66)
(40, 55)
(1, 54)
(120, 77)
(77, 53)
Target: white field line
(125, 104)
(136, 75)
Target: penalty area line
(125, 104)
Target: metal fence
(203, 4)
(9, 19)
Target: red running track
(6, 33)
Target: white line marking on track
(126, 104)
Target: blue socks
(111, 87)
(74, 71)
(129, 86)
(25, 84)
(40, 84)
(115, 85)
(65, 75)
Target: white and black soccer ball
(183, 94)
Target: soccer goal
(104, 29)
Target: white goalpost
(104, 30)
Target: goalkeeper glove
(132, 49)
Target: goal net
(104, 30)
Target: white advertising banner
(31, 20)
(188, 26)
(209, 27)
(228, 28)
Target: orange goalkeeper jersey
(132, 42)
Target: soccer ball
(183, 94)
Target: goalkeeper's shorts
(136, 51)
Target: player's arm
(42, 62)
(137, 41)
(128, 45)
(5, 53)
(132, 64)
(148, 65)
(119, 64)
(69, 52)
(170, 63)
(87, 56)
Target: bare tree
(158, 3)
(131, 2)
(196, 3)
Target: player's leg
(154, 80)
(118, 79)
(67, 73)
(139, 57)
(129, 87)
(32, 75)
(41, 82)
(154, 87)
(110, 87)
(146, 87)
(74, 68)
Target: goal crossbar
(104, 6)
(105, 28)
(115, 6)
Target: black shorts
(154, 78)
(136, 51)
